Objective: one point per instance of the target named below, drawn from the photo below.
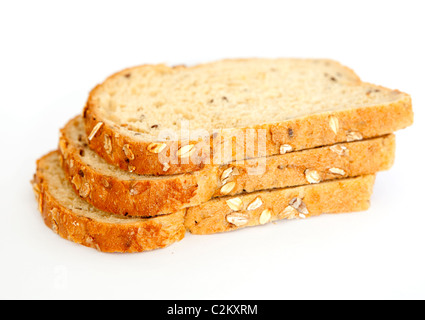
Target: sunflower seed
(337, 171)
(237, 218)
(127, 151)
(95, 130)
(339, 150)
(289, 213)
(185, 151)
(312, 176)
(334, 124)
(156, 147)
(255, 204)
(265, 216)
(299, 205)
(354, 136)
(226, 173)
(227, 188)
(235, 204)
(107, 144)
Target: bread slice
(290, 104)
(124, 193)
(258, 208)
(120, 192)
(74, 219)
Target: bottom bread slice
(67, 214)
(74, 219)
(258, 208)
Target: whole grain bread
(295, 104)
(123, 193)
(74, 219)
(259, 208)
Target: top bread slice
(138, 118)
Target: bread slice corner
(74, 219)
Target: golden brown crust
(151, 197)
(232, 213)
(338, 161)
(301, 133)
(95, 230)
(135, 236)
(142, 198)
(368, 122)
(144, 162)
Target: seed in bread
(337, 196)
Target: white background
(53, 52)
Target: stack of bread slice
(160, 151)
